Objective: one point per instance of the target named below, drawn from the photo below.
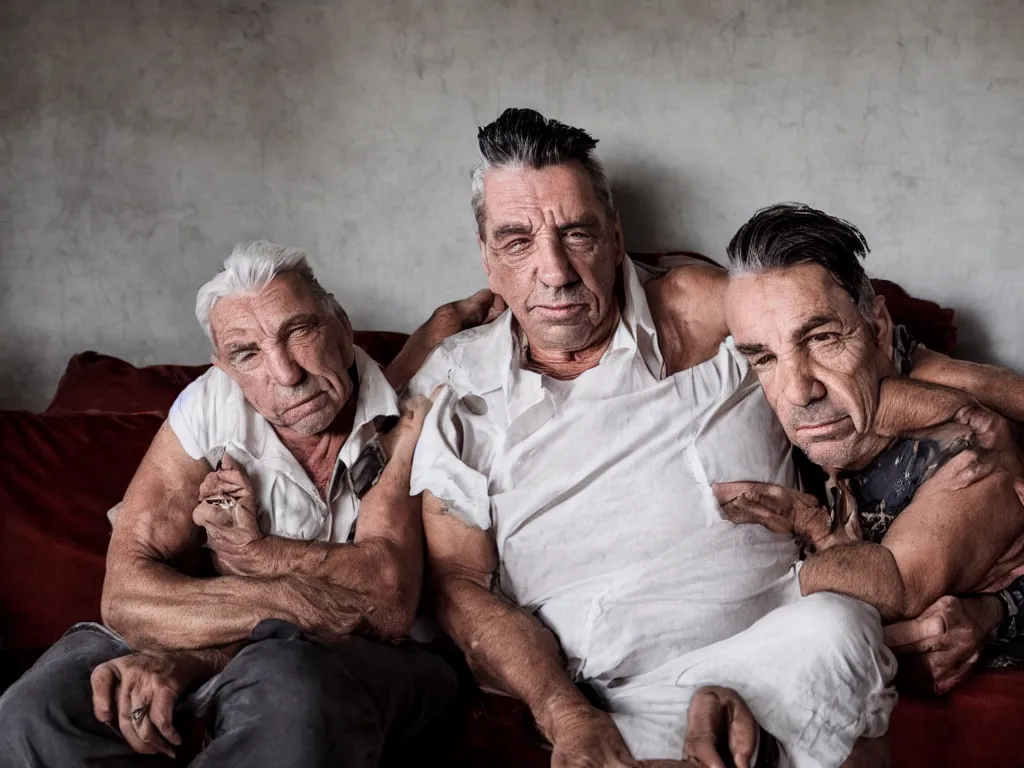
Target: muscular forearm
(908, 405)
(512, 650)
(997, 388)
(866, 571)
(158, 607)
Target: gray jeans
(282, 701)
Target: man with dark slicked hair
(579, 557)
(930, 530)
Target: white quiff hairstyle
(249, 269)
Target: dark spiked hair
(525, 138)
(788, 234)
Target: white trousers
(814, 672)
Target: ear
(883, 326)
(347, 353)
(620, 242)
(483, 254)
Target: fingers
(947, 681)
(104, 703)
(212, 516)
(920, 635)
(970, 466)
(776, 498)
(705, 720)
(125, 707)
(215, 484)
(161, 714)
(742, 510)
(497, 307)
(726, 492)
(742, 733)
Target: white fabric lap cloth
(598, 493)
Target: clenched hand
(227, 510)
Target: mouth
(308, 403)
(559, 311)
(823, 429)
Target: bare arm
(688, 307)
(944, 543)
(505, 646)
(908, 405)
(383, 565)
(152, 604)
(508, 648)
(997, 388)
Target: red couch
(61, 470)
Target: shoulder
(472, 359)
(688, 307)
(210, 407)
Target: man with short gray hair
(279, 462)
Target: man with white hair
(280, 463)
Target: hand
(589, 739)
(719, 718)
(136, 693)
(480, 308)
(939, 648)
(779, 509)
(990, 430)
(407, 431)
(992, 447)
(448, 319)
(227, 510)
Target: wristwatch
(1013, 597)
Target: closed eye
(824, 337)
(762, 360)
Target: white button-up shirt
(211, 417)
(598, 490)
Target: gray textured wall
(139, 140)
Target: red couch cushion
(95, 382)
(979, 723)
(61, 474)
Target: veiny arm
(505, 646)
(944, 543)
(383, 566)
(997, 388)
(152, 604)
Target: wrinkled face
(552, 252)
(819, 361)
(288, 353)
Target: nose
(799, 384)
(285, 369)
(554, 269)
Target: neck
(318, 453)
(568, 364)
(878, 445)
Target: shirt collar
(376, 398)
(636, 333)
